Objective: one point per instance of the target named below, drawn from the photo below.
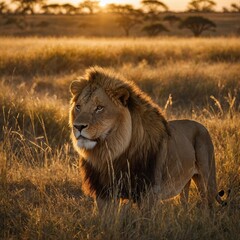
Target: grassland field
(40, 188)
(106, 25)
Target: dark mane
(131, 180)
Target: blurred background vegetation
(89, 18)
(188, 62)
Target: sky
(174, 5)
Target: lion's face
(95, 117)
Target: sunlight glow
(103, 3)
(172, 4)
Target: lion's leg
(206, 188)
(201, 186)
(184, 194)
(206, 178)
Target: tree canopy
(197, 24)
(128, 17)
(235, 7)
(154, 6)
(27, 6)
(155, 29)
(3, 8)
(201, 6)
(90, 6)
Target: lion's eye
(99, 109)
(77, 107)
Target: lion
(127, 148)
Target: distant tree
(112, 8)
(154, 6)
(127, 16)
(27, 6)
(129, 19)
(225, 9)
(52, 9)
(119, 8)
(171, 19)
(90, 6)
(152, 9)
(201, 6)
(154, 29)
(197, 25)
(68, 8)
(3, 8)
(235, 7)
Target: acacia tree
(197, 25)
(201, 6)
(27, 6)
(127, 16)
(68, 8)
(152, 9)
(235, 7)
(154, 6)
(154, 29)
(225, 10)
(129, 20)
(3, 8)
(119, 8)
(52, 8)
(90, 6)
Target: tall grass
(33, 56)
(161, 66)
(40, 190)
(44, 201)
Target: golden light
(172, 4)
(103, 3)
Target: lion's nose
(80, 127)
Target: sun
(103, 3)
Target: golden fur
(127, 147)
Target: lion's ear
(77, 86)
(123, 95)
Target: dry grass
(32, 56)
(105, 25)
(40, 194)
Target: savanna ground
(106, 25)
(40, 194)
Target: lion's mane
(132, 171)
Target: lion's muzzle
(83, 140)
(80, 127)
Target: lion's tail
(220, 195)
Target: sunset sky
(175, 5)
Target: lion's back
(190, 128)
